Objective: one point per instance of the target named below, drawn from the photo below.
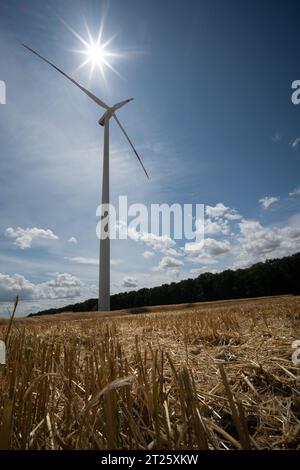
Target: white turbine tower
(110, 111)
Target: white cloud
(130, 282)
(233, 215)
(202, 259)
(62, 286)
(292, 232)
(256, 238)
(83, 260)
(258, 243)
(90, 261)
(295, 192)
(213, 227)
(148, 254)
(208, 248)
(217, 210)
(215, 248)
(73, 240)
(157, 242)
(161, 243)
(220, 210)
(171, 252)
(267, 201)
(25, 237)
(169, 262)
(295, 143)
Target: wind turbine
(110, 111)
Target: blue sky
(212, 119)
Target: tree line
(272, 277)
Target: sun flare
(97, 52)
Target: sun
(99, 56)
(97, 53)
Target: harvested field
(205, 376)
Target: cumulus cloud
(209, 247)
(258, 243)
(215, 247)
(220, 210)
(148, 254)
(257, 239)
(295, 192)
(267, 201)
(161, 243)
(73, 240)
(172, 252)
(130, 282)
(62, 286)
(157, 242)
(25, 237)
(213, 226)
(206, 253)
(216, 211)
(232, 215)
(168, 262)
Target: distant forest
(273, 277)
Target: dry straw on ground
(211, 376)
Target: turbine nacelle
(109, 113)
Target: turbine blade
(121, 103)
(87, 92)
(125, 133)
